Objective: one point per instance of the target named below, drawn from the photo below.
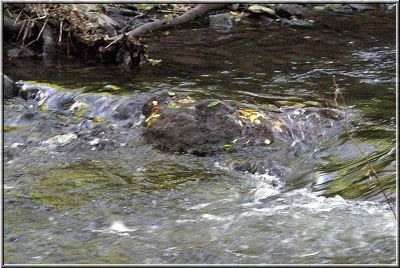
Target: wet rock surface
(362, 7)
(181, 124)
(221, 21)
(193, 127)
(20, 52)
(9, 89)
(289, 10)
(297, 23)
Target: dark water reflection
(220, 216)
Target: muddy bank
(113, 33)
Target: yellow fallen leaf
(213, 103)
(253, 117)
(155, 103)
(243, 118)
(151, 119)
(153, 61)
(246, 112)
(174, 105)
(186, 101)
(97, 119)
(228, 147)
(267, 141)
(257, 122)
(233, 13)
(171, 94)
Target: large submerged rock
(180, 124)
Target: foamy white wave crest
(216, 218)
(199, 206)
(117, 227)
(266, 186)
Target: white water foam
(116, 227)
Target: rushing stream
(81, 185)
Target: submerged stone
(20, 53)
(296, 23)
(220, 21)
(260, 165)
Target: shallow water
(106, 196)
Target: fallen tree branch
(198, 10)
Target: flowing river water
(81, 185)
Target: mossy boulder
(179, 123)
(204, 127)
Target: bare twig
(25, 23)
(16, 19)
(346, 129)
(27, 32)
(40, 33)
(60, 34)
(116, 40)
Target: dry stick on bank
(198, 10)
(40, 33)
(346, 129)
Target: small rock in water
(19, 53)
(289, 10)
(345, 9)
(262, 9)
(297, 23)
(221, 21)
(362, 7)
